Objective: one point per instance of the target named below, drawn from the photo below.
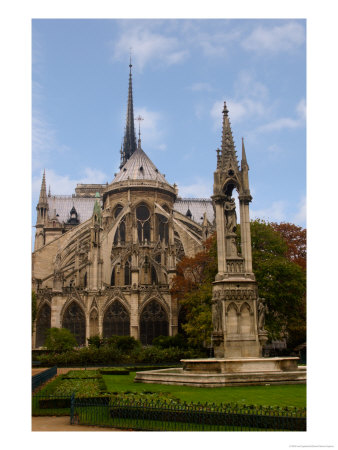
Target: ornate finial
(130, 64)
(225, 109)
(49, 193)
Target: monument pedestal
(213, 372)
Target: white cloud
(275, 213)
(238, 110)
(301, 109)
(275, 39)
(148, 46)
(151, 128)
(200, 189)
(63, 184)
(246, 86)
(300, 217)
(287, 122)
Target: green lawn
(284, 395)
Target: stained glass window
(153, 322)
(116, 320)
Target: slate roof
(197, 207)
(64, 203)
(139, 167)
(84, 207)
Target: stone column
(221, 248)
(245, 232)
(134, 314)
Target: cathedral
(104, 257)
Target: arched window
(153, 275)
(143, 223)
(112, 279)
(85, 280)
(120, 234)
(43, 323)
(74, 320)
(116, 320)
(162, 228)
(153, 322)
(127, 277)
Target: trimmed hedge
(113, 355)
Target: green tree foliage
(281, 282)
(60, 339)
(192, 285)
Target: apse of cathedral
(105, 257)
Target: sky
(183, 71)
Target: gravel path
(62, 424)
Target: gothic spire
(129, 142)
(244, 162)
(228, 151)
(43, 190)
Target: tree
(60, 339)
(281, 282)
(295, 239)
(192, 285)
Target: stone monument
(238, 314)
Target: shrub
(124, 343)
(60, 339)
(170, 341)
(95, 341)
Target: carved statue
(262, 310)
(218, 315)
(57, 262)
(230, 215)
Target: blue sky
(183, 70)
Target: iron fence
(42, 377)
(154, 415)
(167, 416)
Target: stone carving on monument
(230, 215)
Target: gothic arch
(113, 299)
(245, 322)
(43, 323)
(74, 319)
(72, 298)
(94, 322)
(116, 319)
(229, 185)
(154, 321)
(232, 319)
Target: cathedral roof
(139, 167)
(84, 207)
(64, 203)
(197, 207)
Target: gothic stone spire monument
(237, 312)
(236, 331)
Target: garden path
(62, 424)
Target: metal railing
(42, 377)
(106, 411)
(163, 416)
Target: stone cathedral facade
(104, 257)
